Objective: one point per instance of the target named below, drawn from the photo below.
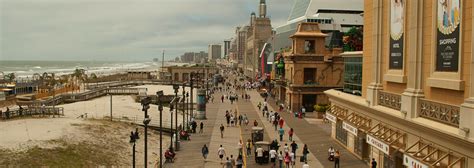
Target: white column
(376, 85)
(466, 126)
(414, 57)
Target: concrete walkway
(316, 136)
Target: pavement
(310, 131)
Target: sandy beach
(24, 134)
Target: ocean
(23, 69)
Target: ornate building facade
(417, 103)
(310, 69)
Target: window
(309, 47)
(341, 134)
(310, 76)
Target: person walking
(280, 159)
(281, 132)
(255, 123)
(337, 157)
(281, 122)
(239, 162)
(248, 146)
(239, 147)
(204, 152)
(287, 160)
(222, 131)
(227, 117)
(286, 149)
(275, 124)
(273, 155)
(293, 158)
(374, 163)
(305, 152)
(294, 146)
(259, 152)
(290, 134)
(201, 127)
(221, 153)
(228, 163)
(222, 98)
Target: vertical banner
(397, 25)
(448, 33)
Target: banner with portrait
(448, 35)
(397, 24)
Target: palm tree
(10, 77)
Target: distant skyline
(122, 30)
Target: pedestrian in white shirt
(221, 152)
(273, 155)
(293, 158)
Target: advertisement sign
(331, 117)
(349, 128)
(412, 163)
(397, 16)
(378, 144)
(448, 33)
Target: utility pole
(110, 106)
(146, 105)
(192, 104)
(159, 94)
(184, 102)
(176, 88)
(163, 59)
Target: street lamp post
(192, 87)
(187, 109)
(159, 94)
(146, 105)
(133, 139)
(184, 102)
(176, 88)
(172, 132)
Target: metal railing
(390, 100)
(70, 98)
(440, 112)
(30, 111)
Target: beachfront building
(258, 32)
(417, 103)
(133, 75)
(214, 52)
(183, 73)
(332, 17)
(310, 69)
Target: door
(309, 100)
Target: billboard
(448, 35)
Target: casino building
(417, 104)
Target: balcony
(390, 100)
(440, 112)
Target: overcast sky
(126, 30)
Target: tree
(10, 77)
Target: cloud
(121, 29)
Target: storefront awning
(337, 111)
(425, 154)
(359, 121)
(385, 138)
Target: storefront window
(341, 134)
(393, 161)
(361, 147)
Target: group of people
(287, 155)
(233, 118)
